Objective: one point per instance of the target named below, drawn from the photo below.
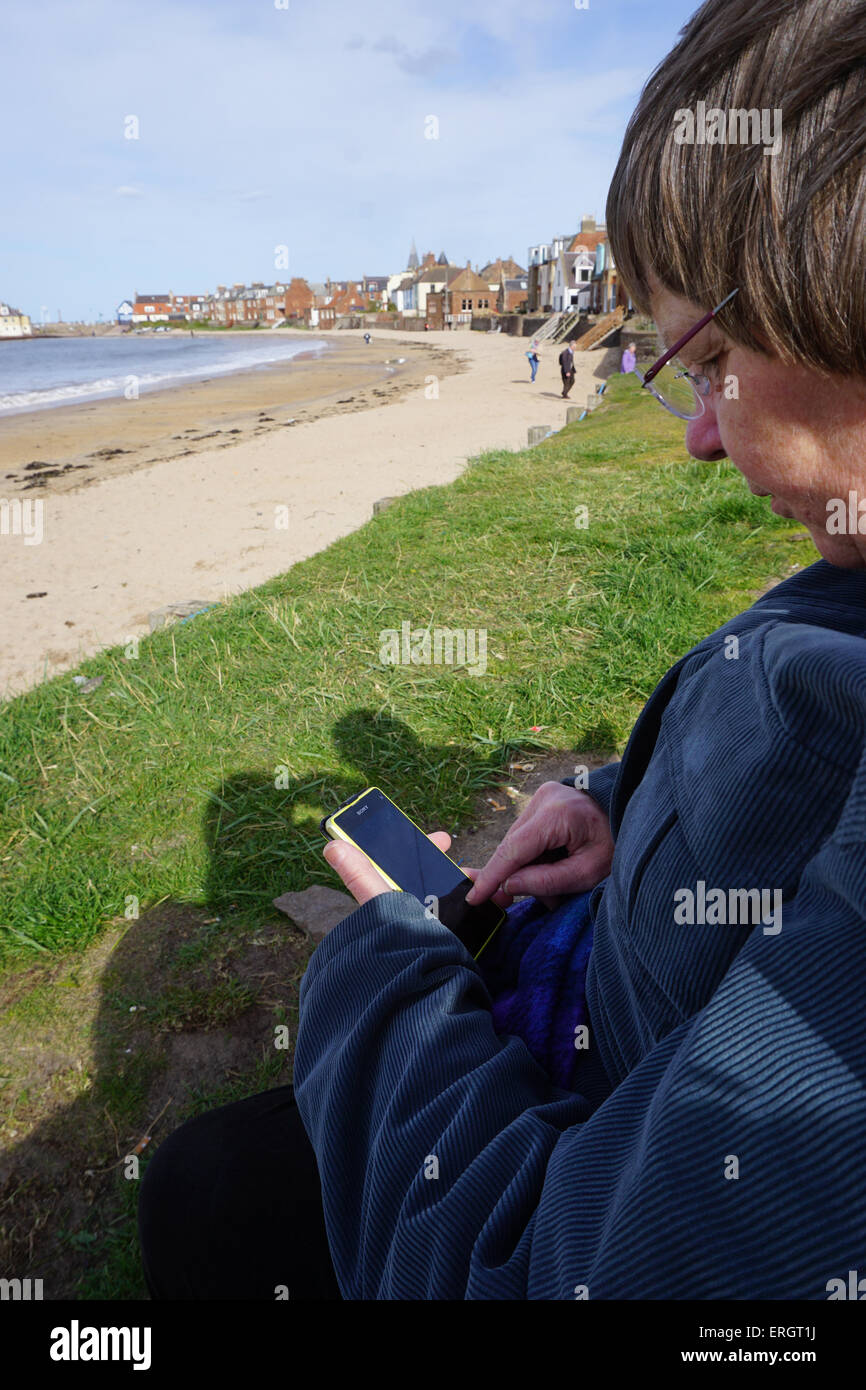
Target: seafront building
(14, 324)
(574, 273)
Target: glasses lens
(675, 390)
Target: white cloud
(306, 127)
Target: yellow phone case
(339, 833)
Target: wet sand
(56, 450)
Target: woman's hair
(787, 227)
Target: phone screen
(395, 844)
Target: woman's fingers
(359, 874)
(499, 898)
(572, 875)
(519, 847)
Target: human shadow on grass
(184, 1003)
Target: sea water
(36, 373)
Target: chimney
(587, 224)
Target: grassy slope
(161, 783)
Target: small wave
(149, 381)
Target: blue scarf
(535, 972)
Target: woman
(707, 1142)
(533, 358)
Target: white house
(14, 324)
(571, 288)
(400, 290)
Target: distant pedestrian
(629, 359)
(533, 357)
(566, 367)
(367, 339)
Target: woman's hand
(357, 872)
(557, 816)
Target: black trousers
(231, 1207)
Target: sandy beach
(174, 497)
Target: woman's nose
(703, 440)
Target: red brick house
(467, 294)
(513, 294)
(151, 308)
(350, 301)
(470, 293)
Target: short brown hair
(789, 228)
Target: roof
(589, 240)
(467, 280)
(141, 298)
(438, 273)
(508, 268)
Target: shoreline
(61, 448)
(117, 544)
(167, 383)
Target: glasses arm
(681, 342)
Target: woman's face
(796, 435)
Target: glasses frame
(701, 384)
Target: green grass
(198, 771)
(194, 777)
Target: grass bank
(148, 824)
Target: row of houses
(14, 324)
(567, 273)
(293, 301)
(443, 294)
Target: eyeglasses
(682, 392)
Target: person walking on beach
(629, 359)
(566, 367)
(533, 357)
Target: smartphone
(411, 863)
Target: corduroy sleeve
(599, 784)
(725, 1164)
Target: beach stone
(172, 612)
(316, 910)
(537, 433)
(382, 504)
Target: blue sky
(261, 126)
